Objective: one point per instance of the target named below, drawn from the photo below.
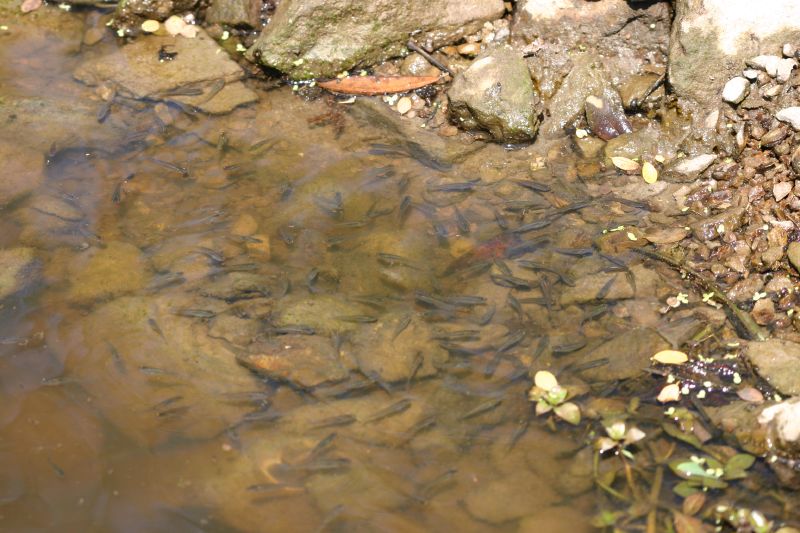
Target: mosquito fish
(391, 410)
(482, 408)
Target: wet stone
(688, 169)
(56, 207)
(17, 266)
(628, 355)
(496, 94)
(305, 361)
(379, 349)
(509, 498)
(137, 72)
(793, 254)
(103, 273)
(712, 227)
(236, 330)
(235, 12)
(778, 362)
(590, 287)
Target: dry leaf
(623, 163)
(30, 5)
(545, 380)
(750, 394)
(670, 357)
(670, 393)
(649, 173)
(371, 85)
(693, 503)
(688, 524)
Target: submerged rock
(778, 362)
(16, 269)
(628, 355)
(305, 361)
(102, 273)
(22, 171)
(321, 38)
(136, 71)
(496, 94)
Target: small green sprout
(619, 438)
(550, 396)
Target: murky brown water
(181, 263)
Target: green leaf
(568, 412)
(684, 489)
(674, 431)
(714, 483)
(687, 469)
(740, 462)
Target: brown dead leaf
(30, 5)
(688, 524)
(694, 503)
(371, 85)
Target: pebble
(793, 254)
(784, 70)
(790, 115)
(174, 25)
(244, 226)
(766, 63)
(469, 49)
(788, 50)
(404, 105)
(695, 164)
(735, 90)
(782, 189)
(150, 26)
(750, 74)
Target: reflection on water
(247, 323)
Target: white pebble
(766, 63)
(750, 73)
(404, 105)
(150, 26)
(735, 90)
(785, 67)
(782, 189)
(790, 115)
(788, 50)
(174, 25)
(695, 164)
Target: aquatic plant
(550, 396)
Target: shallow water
(179, 264)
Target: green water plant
(552, 397)
(704, 473)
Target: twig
(432, 60)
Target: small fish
(375, 378)
(590, 364)
(482, 408)
(175, 411)
(465, 300)
(311, 279)
(533, 185)
(502, 222)
(604, 290)
(292, 329)
(568, 347)
(57, 469)
(532, 226)
(422, 425)
(512, 340)
(117, 358)
(153, 371)
(515, 305)
(531, 265)
(155, 327)
(195, 313)
(402, 324)
(416, 364)
(512, 282)
(465, 335)
(437, 485)
(166, 403)
(519, 431)
(574, 252)
(394, 259)
(268, 143)
(396, 408)
(487, 317)
(465, 186)
(544, 342)
(214, 255)
(461, 222)
(358, 319)
(432, 301)
(322, 446)
(441, 232)
(183, 171)
(334, 421)
(286, 236)
(269, 491)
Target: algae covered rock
(320, 38)
(496, 94)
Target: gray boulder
(496, 94)
(321, 38)
(712, 39)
